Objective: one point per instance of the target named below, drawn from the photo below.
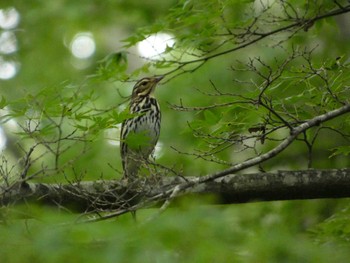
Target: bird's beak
(159, 78)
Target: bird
(143, 126)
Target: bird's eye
(144, 83)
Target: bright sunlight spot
(7, 120)
(9, 18)
(112, 135)
(154, 45)
(83, 45)
(8, 42)
(158, 150)
(2, 139)
(8, 69)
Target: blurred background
(54, 57)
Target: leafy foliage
(240, 76)
(334, 230)
(253, 233)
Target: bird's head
(145, 87)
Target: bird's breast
(148, 119)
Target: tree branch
(116, 195)
(301, 23)
(237, 188)
(282, 146)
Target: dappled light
(8, 69)
(9, 18)
(158, 150)
(156, 44)
(112, 135)
(2, 139)
(83, 45)
(8, 42)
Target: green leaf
(81, 127)
(137, 140)
(123, 115)
(3, 102)
(211, 118)
(340, 150)
(113, 66)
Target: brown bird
(139, 134)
